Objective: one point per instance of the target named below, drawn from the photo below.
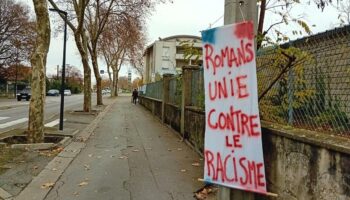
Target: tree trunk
(97, 77)
(87, 88)
(114, 89)
(81, 42)
(38, 62)
(110, 79)
(115, 83)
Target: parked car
(24, 94)
(106, 91)
(53, 92)
(67, 93)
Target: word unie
(244, 172)
(234, 120)
(228, 87)
(229, 56)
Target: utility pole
(238, 11)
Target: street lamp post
(63, 65)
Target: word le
(229, 56)
(234, 120)
(217, 168)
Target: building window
(166, 53)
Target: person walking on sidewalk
(135, 95)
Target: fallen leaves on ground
(87, 167)
(47, 185)
(123, 157)
(196, 164)
(51, 152)
(205, 192)
(83, 183)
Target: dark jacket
(135, 94)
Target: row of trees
(113, 30)
(108, 29)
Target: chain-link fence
(315, 93)
(175, 93)
(312, 93)
(154, 90)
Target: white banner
(233, 147)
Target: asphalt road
(16, 116)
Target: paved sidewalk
(130, 155)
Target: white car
(67, 93)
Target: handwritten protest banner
(233, 147)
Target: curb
(42, 184)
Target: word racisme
(233, 149)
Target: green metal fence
(197, 89)
(175, 91)
(154, 90)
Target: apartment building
(166, 56)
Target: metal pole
(63, 72)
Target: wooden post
(165, 99)
(186, 93)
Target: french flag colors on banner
(233, 148)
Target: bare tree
(113, 12)
(77, 9)
(283, 9)
(343, 8)
(119, 45)
(16, 33)
(38, 62)
(96, 18)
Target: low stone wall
(153, 105)
(306, 165)
(299, 164)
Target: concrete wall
(172, 116)
(299, 164)
(298, 168)
(153, 105)
(195, 127)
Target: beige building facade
(166, 56)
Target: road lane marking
(12, 123)
(2, 118)
(53, 123)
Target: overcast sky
(186, 17)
